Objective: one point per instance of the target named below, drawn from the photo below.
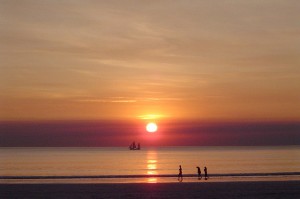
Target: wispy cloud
(126, 100)
(229, 55)
(106, 101)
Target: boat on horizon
(133, 146)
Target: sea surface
(117, 164)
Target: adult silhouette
(180, 178)
(199, 173)
(205, 173)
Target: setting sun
(151, 127)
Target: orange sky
(208, 60)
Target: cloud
(107, 100)
(153, 52)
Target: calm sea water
(148, 161)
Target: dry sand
(277, 189)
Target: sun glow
(151, 116)
(151, 127)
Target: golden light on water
(152, 166)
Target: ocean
(117, 164)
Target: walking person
(199, 173)
(205, 173)
(180, 178)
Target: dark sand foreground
(279, 189)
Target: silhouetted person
(205, 173)
(199, 173)
(180, 178)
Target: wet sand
(262, 189)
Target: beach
(258, 189)
(149, 173)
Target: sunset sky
(185, 60)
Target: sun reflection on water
(152, 166)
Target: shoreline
(160, 178)
(155, 176)
(148, 179)
(257, 189)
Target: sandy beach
(278, 189)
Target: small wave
(153, 176)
